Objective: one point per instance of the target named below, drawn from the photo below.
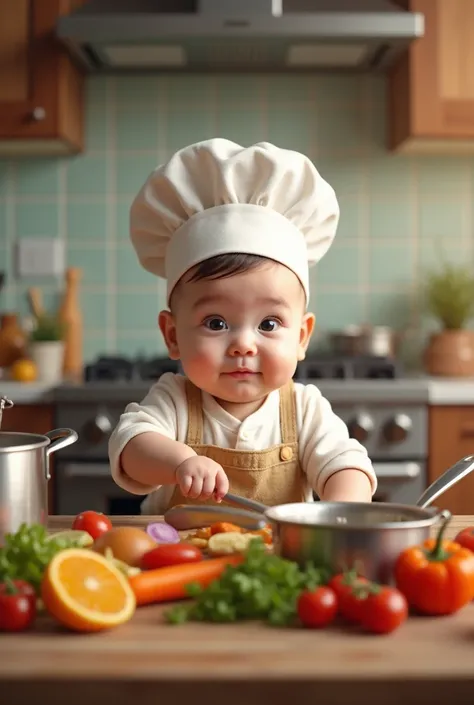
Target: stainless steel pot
(24, 475)
(379, 341)
(368, 537)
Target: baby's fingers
(196, 488)
(208, 486)
(222, 486)
(185, 485)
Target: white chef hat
(217, 197)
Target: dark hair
(222, 266)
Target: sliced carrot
(266, 535)
(224, 527)
(165, 584)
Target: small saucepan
(368, 537)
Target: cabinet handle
(38, 114)
(467, 431)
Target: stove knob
(361, 427)
(96, 430)
(398, 429)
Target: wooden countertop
(146, 661)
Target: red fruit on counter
(94, 523)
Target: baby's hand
(202, 478)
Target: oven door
(400, 482)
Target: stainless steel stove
(379, 406)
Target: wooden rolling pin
(35, 301)
(71, 316)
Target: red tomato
(347, 589)
(384, 610)
(171, 554)
(466, 538)
(94, 523)
(317, 608)
(17, 605)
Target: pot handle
(246, 503)
(60, 438)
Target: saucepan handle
(184, 517)
(245, 503)
(60, 438)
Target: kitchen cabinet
(41, 89)
(32, 418)
(431, 88)
(451, 437)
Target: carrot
(164, 584)
(224, 527)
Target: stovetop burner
(326, 366)
(122, 369)
(318, 366)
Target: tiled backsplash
(398, 213)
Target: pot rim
(428, 517)
(32, 441)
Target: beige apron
(272, 476)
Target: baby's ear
(167, 326)
(306, 331)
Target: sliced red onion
(161, 532)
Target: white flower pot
(48, 358)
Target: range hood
(238, 35)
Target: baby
(234, 230)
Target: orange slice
(85, 592)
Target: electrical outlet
(40, 257)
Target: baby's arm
(337, 466)
(152, 459)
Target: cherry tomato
(466, 538)
(347, 588)
(17, 605)
(94, 523)
(171, 554)
(317, 608)
(384, 610)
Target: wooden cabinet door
(451, 437)
(431, 90)
(41, 90)
(32, 418)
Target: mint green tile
(448, 177)
(340, 129)
(291, 129)
(340, 266)
(93, 262)
(38, 177)
(122, 219)
(49, 292)
(144, 90)
(391, 264)
(5, 263)
(141, 344)
(443, 218)
(4, 176)
(138, 130)
(86, 175)
(347, 176)
(239, 125)
(334, 310)
(36, 219)
(137, 311)
(391, 219)
(390, 308)
(239, 89)
(188, 126)
(97, 126)
(288, 89)
(132, 172)
(3, 221)
(390, 175)
(86, 222)
(434, 252)
(94, 309)
(349, 227)
(129, 270)
(94, 345)
(339, 88)
(184, 90)
(96, 90)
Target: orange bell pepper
(436, 577)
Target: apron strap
(288, 414)
(194, 432)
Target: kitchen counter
(147, 661)
(415, 389)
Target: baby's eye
(269, 325)
(215, 323)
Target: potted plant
(449, 297)
(46, 348)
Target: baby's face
(241, 337)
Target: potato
(127, 544)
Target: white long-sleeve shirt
(323, 439)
